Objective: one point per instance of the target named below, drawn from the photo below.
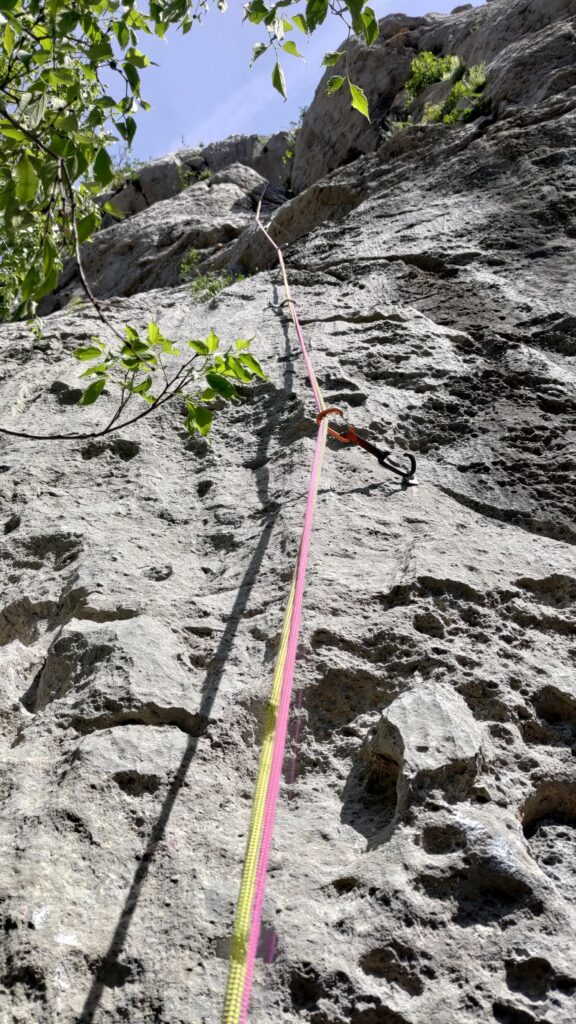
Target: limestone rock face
(511, 38)
(147, 250)
(161, 179)
(425, 849)
(265, 154)
(427, 739)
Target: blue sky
(204, 90)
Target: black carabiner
(408, 475)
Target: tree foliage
(152, 371)
(70, 87)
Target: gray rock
(332, 134)
(192, 159)
(429, 740)
(156, 242)
(144, 586)
(252, 183)
(323, 202)
(509, 38)
(161, 179)
(129, 200)
(265, 154)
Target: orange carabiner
(345, 438)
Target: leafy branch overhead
(152, 371)
(70, 87)
(143, 368)
(357, 16)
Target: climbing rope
(247, 921)
(253, 885)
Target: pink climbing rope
(283, 717)
(282, 721)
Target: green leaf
(103, 169)
(258, 50)
(111, 207)
(12, 133)
(154, 336)
(48, 283)
(93, 392)
(371, 29)
(252, 364)
(300, 22)
(355, 9)
(132, 76)
(137, 348)
(36, 109)
(168, 348)
(139, 59)
(88, 225)
(316, 11)
(143, 387)
(200, 347)
(256, 11)
(26, 179)
(332, 58)
(334, 83)
(122, 33)
(358, 100)
(100, 51)
(87, 352)
(8, 39)
(50, 255)
(212, 341)
(208, 395)
(99, 370)
(235, 369)
(292, 49)
(220, 385)
(127, 129)
(278, 80)
(203, 417)
(242, 344)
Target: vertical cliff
(425, 852)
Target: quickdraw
(351, 437)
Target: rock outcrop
(512, 38)
(424, 857)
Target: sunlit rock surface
(144, 579)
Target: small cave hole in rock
(394, 964)
(136, 784)
(442, 839)
(531, 977)
(12, 523)
(549, 823)
(306, 988)
(119, 447)
(511, 1015)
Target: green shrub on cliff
(204, 286)
(461, 100)
(427, 69)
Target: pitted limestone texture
(144, 588)
(434, 740)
